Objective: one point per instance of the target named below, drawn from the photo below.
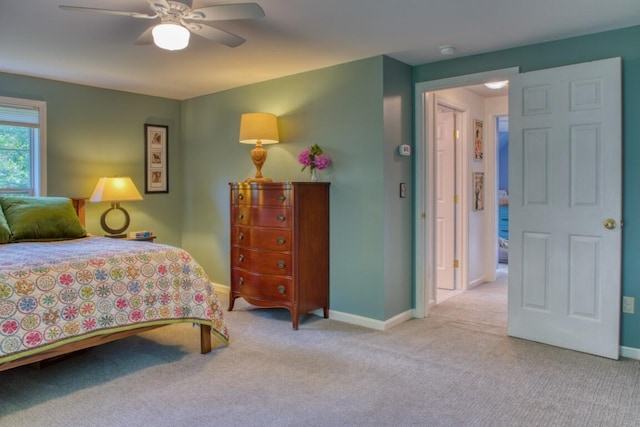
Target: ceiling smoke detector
(447, 50)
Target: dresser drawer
(262, 287)
(271, 239)
(248, 196)
(261, 216)
(262, 262)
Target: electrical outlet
(628, 305)
(403, 190)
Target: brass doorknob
(609, 223)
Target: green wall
(358, 112)
(94, 132)
(398, 212)
(340, 108)
(623, 43)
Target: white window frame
(39, 159)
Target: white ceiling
(39, 39)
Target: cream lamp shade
(258, 129)
(115, 189)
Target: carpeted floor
(455, 368)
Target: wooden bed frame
(205, 330)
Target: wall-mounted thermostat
(404, 150)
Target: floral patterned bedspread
(54, 293)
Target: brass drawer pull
(241, 236)
(282, 265)
(281, 218)
(281, 240)
(241, 281)
(240, 196)
(240, 257)
(240, 216)
(281, 289)
(282, 197)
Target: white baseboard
(476, 282)
(630, 352)
(379, 325)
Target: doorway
(564, 281)
(466, 156)
(475, 227)
(502, 161)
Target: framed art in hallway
(478, 191)
(478, 145)
(156, 159)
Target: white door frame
(424, 262)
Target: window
(23, 163)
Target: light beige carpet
(455, 368)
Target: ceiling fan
(176, 16)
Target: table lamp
(115, 189)
(258, 128)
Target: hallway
(484, 306)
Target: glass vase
(314, 175)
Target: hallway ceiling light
(497, 85)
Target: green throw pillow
(5, 232)
(41, 218)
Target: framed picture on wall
(156, 159)
(478, 191)
(478, 145)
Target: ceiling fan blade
(146, 37)
(109, 12)
(215, 34)
(227, 12)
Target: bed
(62, 291)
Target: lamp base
(115, 232)
(261, 179)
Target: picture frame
(156, 158)
(478, 142)
(478, 191)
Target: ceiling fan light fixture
(170, 36)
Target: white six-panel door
(445, 190)
(565, 206)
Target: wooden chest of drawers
(280, 245)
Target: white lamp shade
(115, 189)
(256, 127)
(170, 36)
